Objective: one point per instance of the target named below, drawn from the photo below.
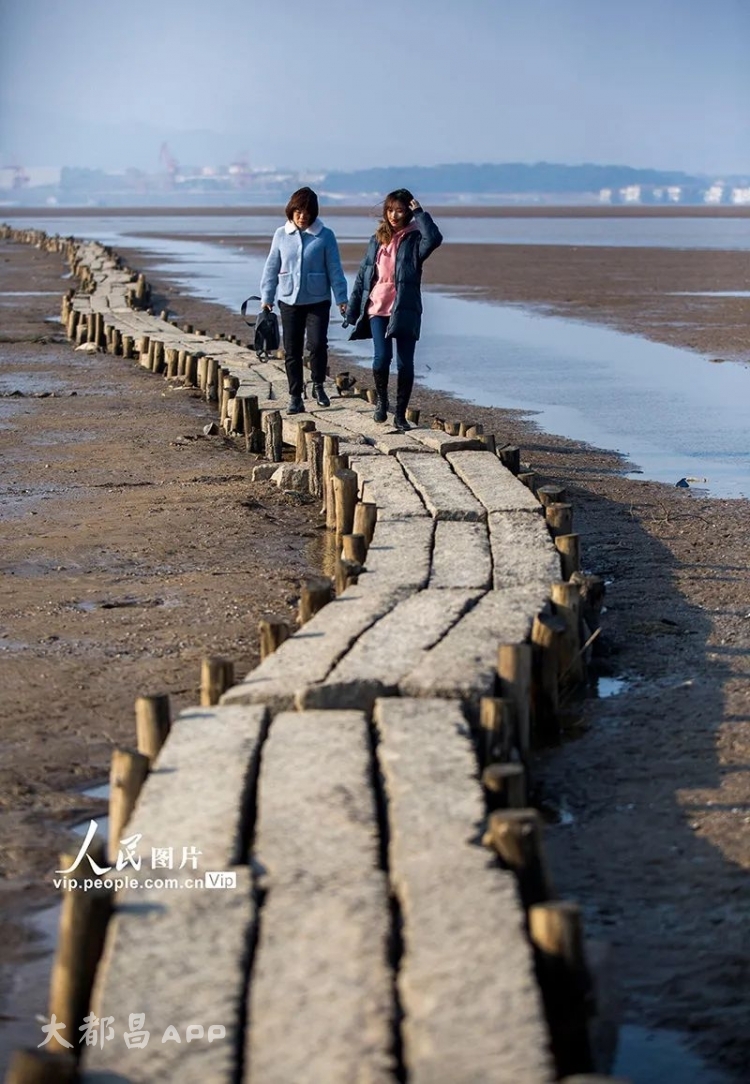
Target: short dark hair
(304, 199)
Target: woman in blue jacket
(304, 266)
(386, 300)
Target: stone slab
(522, 550)
(320, 1003)
(400, 553)
(461, 555)
(472, 1010)
(310, 654)
(438, 441)
(382, 480)
(177, 954)
(463, 665)
(492, 483)
(444, 494)
(388, 650)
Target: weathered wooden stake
(510, 457)
(83, 924)
(569, 548)
(306, 425)
(314, 455)
(552, 495)
(127, 774)
(504, 786)
(345, 497)
(354, 548)
(43, 1066)
(559, 518)
(514, 672)
(567, 602)
(316, 593)
(365, 518)
(153, 721)
(273, 632)
(516, 835)
(555, 930)
(496, 730)
(217, 675)
(272, 427)
(546, 636)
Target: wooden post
(83, 924)
(496, 730)
(345, 497)
(127, 774)
(347, 572)
(592, 598)
(488, 440)
(316, 593)
(272, 427)
(559, 518)
(412, 415)
(516, 835)
(217, 675)
(365, 517)
(510, 457)
(555, 931)
(43, 1066)
(552, 495)
(202, 373)
(371, 395)
(273, 632)
(453, 429)
(354, 548)
(306, 425)
(251, 423)
(191, 370)
(528, 477)
(567, 602)
(514, 672)
(158, 362)
(569, 548)
(212, 380)
(504, 786)
(172, 358)
(152, 723)
(331, 465)
(546, 637)
(127, 346)
(314, 444)
(330, 451)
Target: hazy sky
(316, 84)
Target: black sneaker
(296, 406)
(320, 396)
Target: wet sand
(649, 806)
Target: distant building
(631, 193)
(740, 195)
(714, 194)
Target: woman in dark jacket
(386, 301)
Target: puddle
(610, 686)
(117, 604)
(29, 293)
(646, 1056)
(27, 988)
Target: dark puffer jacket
(406, 316)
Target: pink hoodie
(383, 293)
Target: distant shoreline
(446, 210)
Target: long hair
(384, 232)
(304, 199)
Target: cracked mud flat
(131, 546)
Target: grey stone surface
(438, 441)
(492, 483)
(383, 481)
(310, 654)
(463, 665)
(177, 954)
(294, 476)
(321, 993)
(472, 1010)
(390, 648)
(444, 494)
(522, 550)
(461, 555)
(400, 553)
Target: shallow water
(671, 412)
(651, 1056)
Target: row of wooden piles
(394, 918)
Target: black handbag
(266, 324)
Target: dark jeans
(296, 321)
(383, 350)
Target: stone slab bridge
(364, 787)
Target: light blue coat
(304, 266)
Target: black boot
(321, 398)
(381, 387)
(403, 394)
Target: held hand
(342, 308)
(268, 308)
